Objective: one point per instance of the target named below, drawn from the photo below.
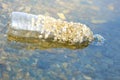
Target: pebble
(27, 9)
(111, 7)
(95, 8)
(87, 77)
(73, 55)
(65, 65)
(62, 77)
(21, 8)
(88, 66)
(98, 21)
(27, 76)
(3, 57)
(61, 16)
(4, 6)
(73, 78)
(99, 55)
(8, 68)
(6, 76)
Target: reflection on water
(35, 43)
(91, 63)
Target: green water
(90, 63)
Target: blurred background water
(91, 63)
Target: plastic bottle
(42, 27)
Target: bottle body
(48, 28)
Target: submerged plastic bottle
(42, 27)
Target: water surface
(90, 63)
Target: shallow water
(91, 63)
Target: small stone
(4, 6)
(87, 77)
(73, 55)
(21, 8)
(27, 9)
(73, 78)
(95, 8)
(66, 11)
(99, 55)
(111, 7)
(3, 58)
(6, 76)
(88, 66)
(27, 76)
(8, 68)
(98, 21)
(65, 65)
(61, 16)
(63, 77)
(57, 65)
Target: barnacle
(46, 27)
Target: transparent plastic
(26, 26)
